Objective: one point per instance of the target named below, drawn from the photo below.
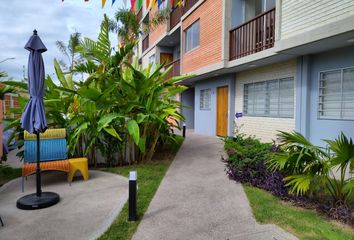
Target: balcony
(188, 5)
(139, 15)
(176, 68)
(176, 15)
(145, 43)
(253, 36)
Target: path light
(184, 130)
(132, 195)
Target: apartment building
(284, 64)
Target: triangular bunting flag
(113, 2)
(140, 3)
(132, 5)
(153, 3)
(103, 3)
(147, 4)
(179, 3)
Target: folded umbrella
(34, 121)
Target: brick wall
(10, 101)
(209, 51)
(156, 33)
(264, 128)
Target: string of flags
(172, 4)
(137, 4)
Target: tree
(128, 28)
(70, 50)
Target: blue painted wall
(205, 120)
(187, 99)
(317, 129)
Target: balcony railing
(253, 36)
(175, 16)
(145, 44)
(176, 68)
(188, 5)
(140, 14)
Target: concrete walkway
(85, 211)
(197, 201)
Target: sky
(54, 20)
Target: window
(256, 7)
(192, 36)
(336, 94)
(273, 98)
(152, 59)
(205, 99)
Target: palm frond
(103, 43)
(74, 41)
(62, 48)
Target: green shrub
(246, 150)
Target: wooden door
(222, 111)
(166, 58)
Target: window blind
(336, 94)
(205, 99)
(272, 98)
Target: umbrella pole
(38, 169)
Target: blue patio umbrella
(34, 121)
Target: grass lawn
(149, 178)
(305, 224)
(8, 173)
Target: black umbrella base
(33, 202)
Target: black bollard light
(132, 195)
(184, 130)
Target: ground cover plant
(246, 164)
(274, 167)
(149, 178)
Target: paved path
(197, 201)
(85, 211)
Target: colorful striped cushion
(48, 134)
(50, 150)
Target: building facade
(284, 64)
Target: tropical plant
(120, 109)
(126, 25)
(4, 89)
(138, 101)
(128, 28)
(69, 50)
(307, 165)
